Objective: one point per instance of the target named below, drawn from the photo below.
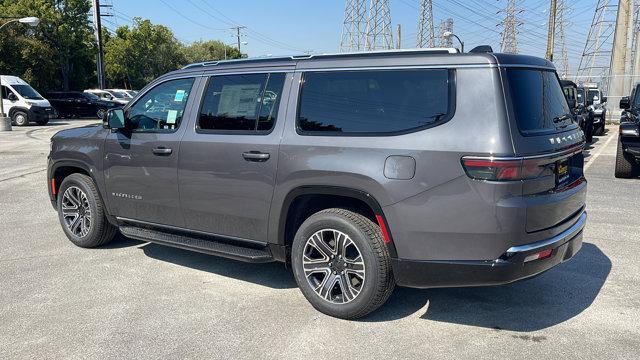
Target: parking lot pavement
(137, 300)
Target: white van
(23, 104)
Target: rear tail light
(504, 170)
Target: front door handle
(161, 150)
(255, 156)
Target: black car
(628, 154)
(77, 104)
(583, 115)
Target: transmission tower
(425, 26)
(354, 25)
(379, 26)
(596, 55)
(562, 62)
(443, 41)
(509, 42)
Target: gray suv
(360, 171)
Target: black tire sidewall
(322, 221)
(80, 182)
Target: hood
(41, 103)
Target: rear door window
(538, 102)
(244, 102)
(374, 102)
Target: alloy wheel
(76, 211)
(333, 266)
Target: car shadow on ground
(538, 303)
(274, 275)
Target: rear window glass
(371, 102)
(538, 101)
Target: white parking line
(593, 157)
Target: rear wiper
(562, 118)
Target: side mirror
(12, 97)
(625, 103)
(604, 99)
(114, 119)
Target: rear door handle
(255, 156)
(160, 150)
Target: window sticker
(179, 95)
(172, 115)
(239, 100)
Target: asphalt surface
(138, 300)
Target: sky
(285, 27)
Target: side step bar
(206, 245)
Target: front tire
(341, 263)
(588, 131)
(82, 214)
(100, 113)
(20, 118)
(626, 166)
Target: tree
(58, 53)
(200, 51)
(136, 55)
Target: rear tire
(20, 118)
(82, 213)
(588, 131)
(626, 166)
(336, 239)
(42, 122)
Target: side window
(161, 108)
(241, 102)
(373, 102)
(6, 92)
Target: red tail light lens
(503, 170)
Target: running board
(206, 245)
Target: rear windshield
(538, 102)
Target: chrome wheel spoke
(333, 266)
(76, 211)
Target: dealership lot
(146, 300)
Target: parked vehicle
(628, 153)
(582, 114)
(128, 93)
(424, 168)
(591, 97)
(23, 104)
(110, 95)
(78, 104)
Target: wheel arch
(298, 205)
(63, 168)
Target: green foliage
(60, 53)
(200, 51)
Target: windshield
(538, 102)
(91, 96)
(27, 92)
(119, 94)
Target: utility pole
(354, 26)
(237, 29)
(552, 30)
(97, 26)
(398, 37)
(425, 26)
(618, 54)
(509, 43)
(596, 55)
(379, 26)
(561, 25)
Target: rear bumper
(510, 267)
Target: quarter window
(161, 108)
(373, 102)
(241, 102)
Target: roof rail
(328, 55)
